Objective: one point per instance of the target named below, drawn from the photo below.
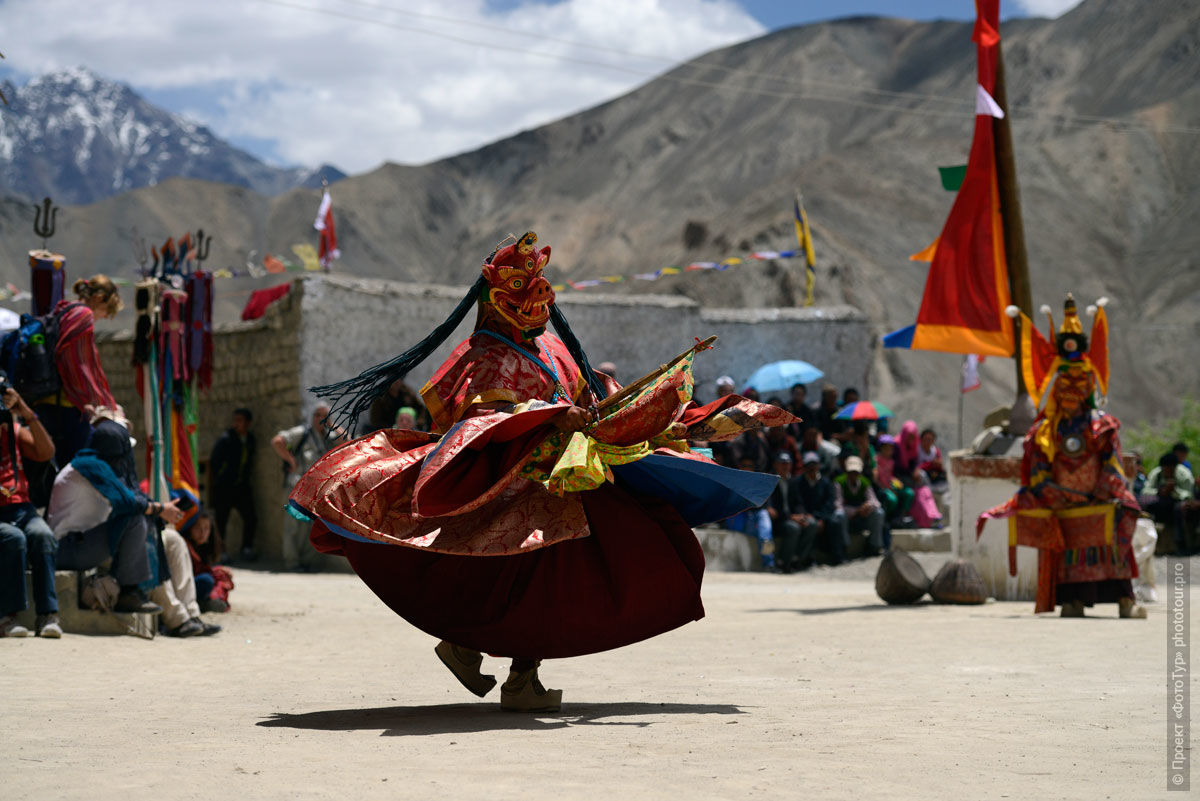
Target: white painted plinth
(977, 483)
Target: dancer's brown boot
(524, 693)
(464, 664)
(1126, 607)
(1072, 609)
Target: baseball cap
(854, 464)
(783, 456)
(810, 457)
(724, 381)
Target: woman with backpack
(84, 387)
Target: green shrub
(1153, 440)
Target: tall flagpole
(1023, 412)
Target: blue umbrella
(780, 376)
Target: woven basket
(958, 582)
(901, 579)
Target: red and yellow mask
(517, 290)
(1073, 387)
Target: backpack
(98, 591)
(27, 355)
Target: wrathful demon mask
(516, 289)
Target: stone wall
(351, 324)
(256, 365)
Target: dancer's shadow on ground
(402, 721)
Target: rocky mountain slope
(701, 164)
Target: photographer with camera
(25, 539)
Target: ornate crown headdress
(1043, 356)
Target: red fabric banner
(962, 310)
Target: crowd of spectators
(1169, 495)
(70, 498)
(843, 484)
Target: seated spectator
(756, 524)
(800, 408)
(823, 415)
(1168, 488)
(896, 498)
(907, 468)
(794, 530)
(752, 445)
(929, 459)
(382, 413)
(406, 419)
(25, 539)
(178, 595)
(778, 440)
(1180, 449)
(1139, 473)
(213, 582)
(842, 428)
(97, 512)
(827, 452)
(821, 501)
(864, 515)
(724, 386)
(858, 443)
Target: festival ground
(793, 687)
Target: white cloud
(1047, 8)
(371, 80)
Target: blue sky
(775, 14)
(359, 82)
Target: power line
(1119, 125)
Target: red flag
(966, 292)
(327, 250)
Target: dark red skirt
(637, 576)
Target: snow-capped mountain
(78, 137)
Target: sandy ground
(793, 687)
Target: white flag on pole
(986, 104)
(970, 373)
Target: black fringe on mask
(350, 398)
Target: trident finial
(202, 247)
(44, 219)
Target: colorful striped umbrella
(864, 410)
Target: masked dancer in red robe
(531, 523)
(1075, 505)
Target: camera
(5, 384)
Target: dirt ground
(793, 687)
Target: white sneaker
(48, 626)
(9, 627)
